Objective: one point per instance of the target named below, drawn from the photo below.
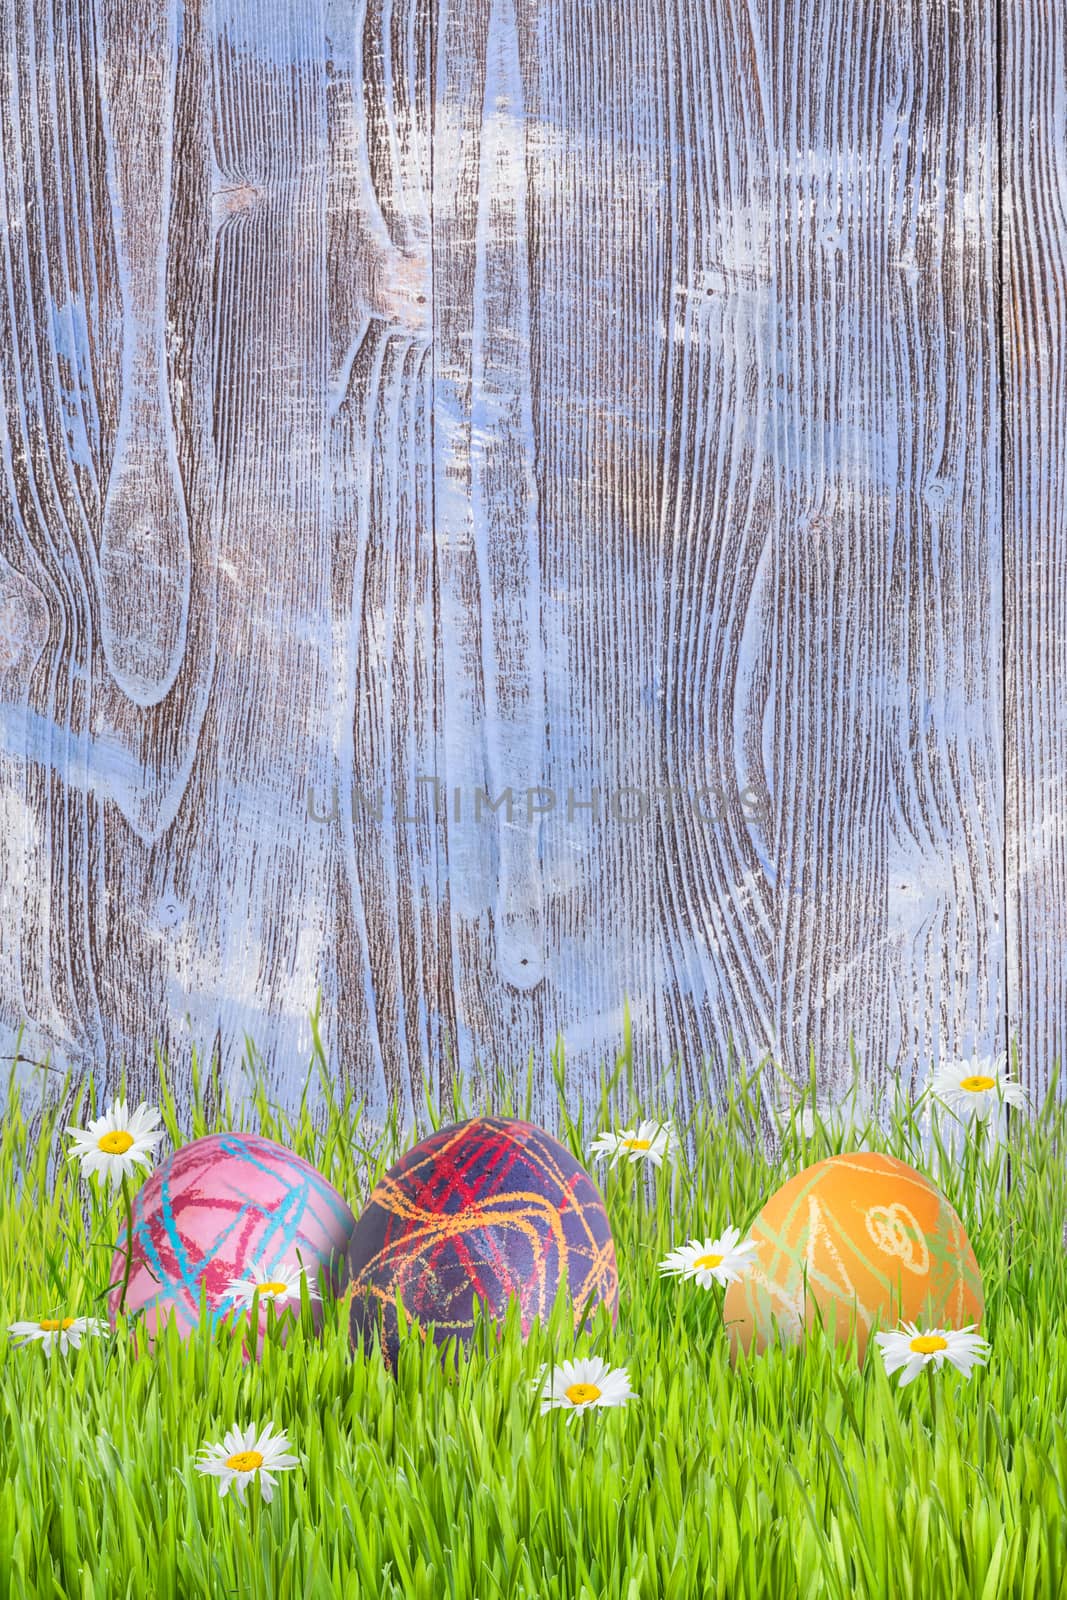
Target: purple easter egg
(478, 1211)
(231, 1205)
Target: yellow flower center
(976, 1084)
(245, 1461)
(637, 1144)
(273, 1288)
(928, 1342)
(708, 1261)
(580, 1394)
(116, 1144)
(50, 1324)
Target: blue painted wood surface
(553, 398)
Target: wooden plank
(1034, 161)
(839, 501)
(262, 872)
(546, 172)
(106, 448)
(389, 955)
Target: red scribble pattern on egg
(230, 1205)
(478, 1211)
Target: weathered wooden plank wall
(520, 393)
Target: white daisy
(116, 1142)
(582, 1384)
(241, 1456)
(67, 1330)
(913, 1350)
(976, 1087)
(719, 1260)
(651, 1141)
(282, 1289)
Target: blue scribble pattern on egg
(229, 1205)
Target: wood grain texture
(518, 395)
(1034, 266)
(885, 578)
(386, 956)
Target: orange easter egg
(875, 1238)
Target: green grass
(795, 1474)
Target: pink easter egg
(230, 1205)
